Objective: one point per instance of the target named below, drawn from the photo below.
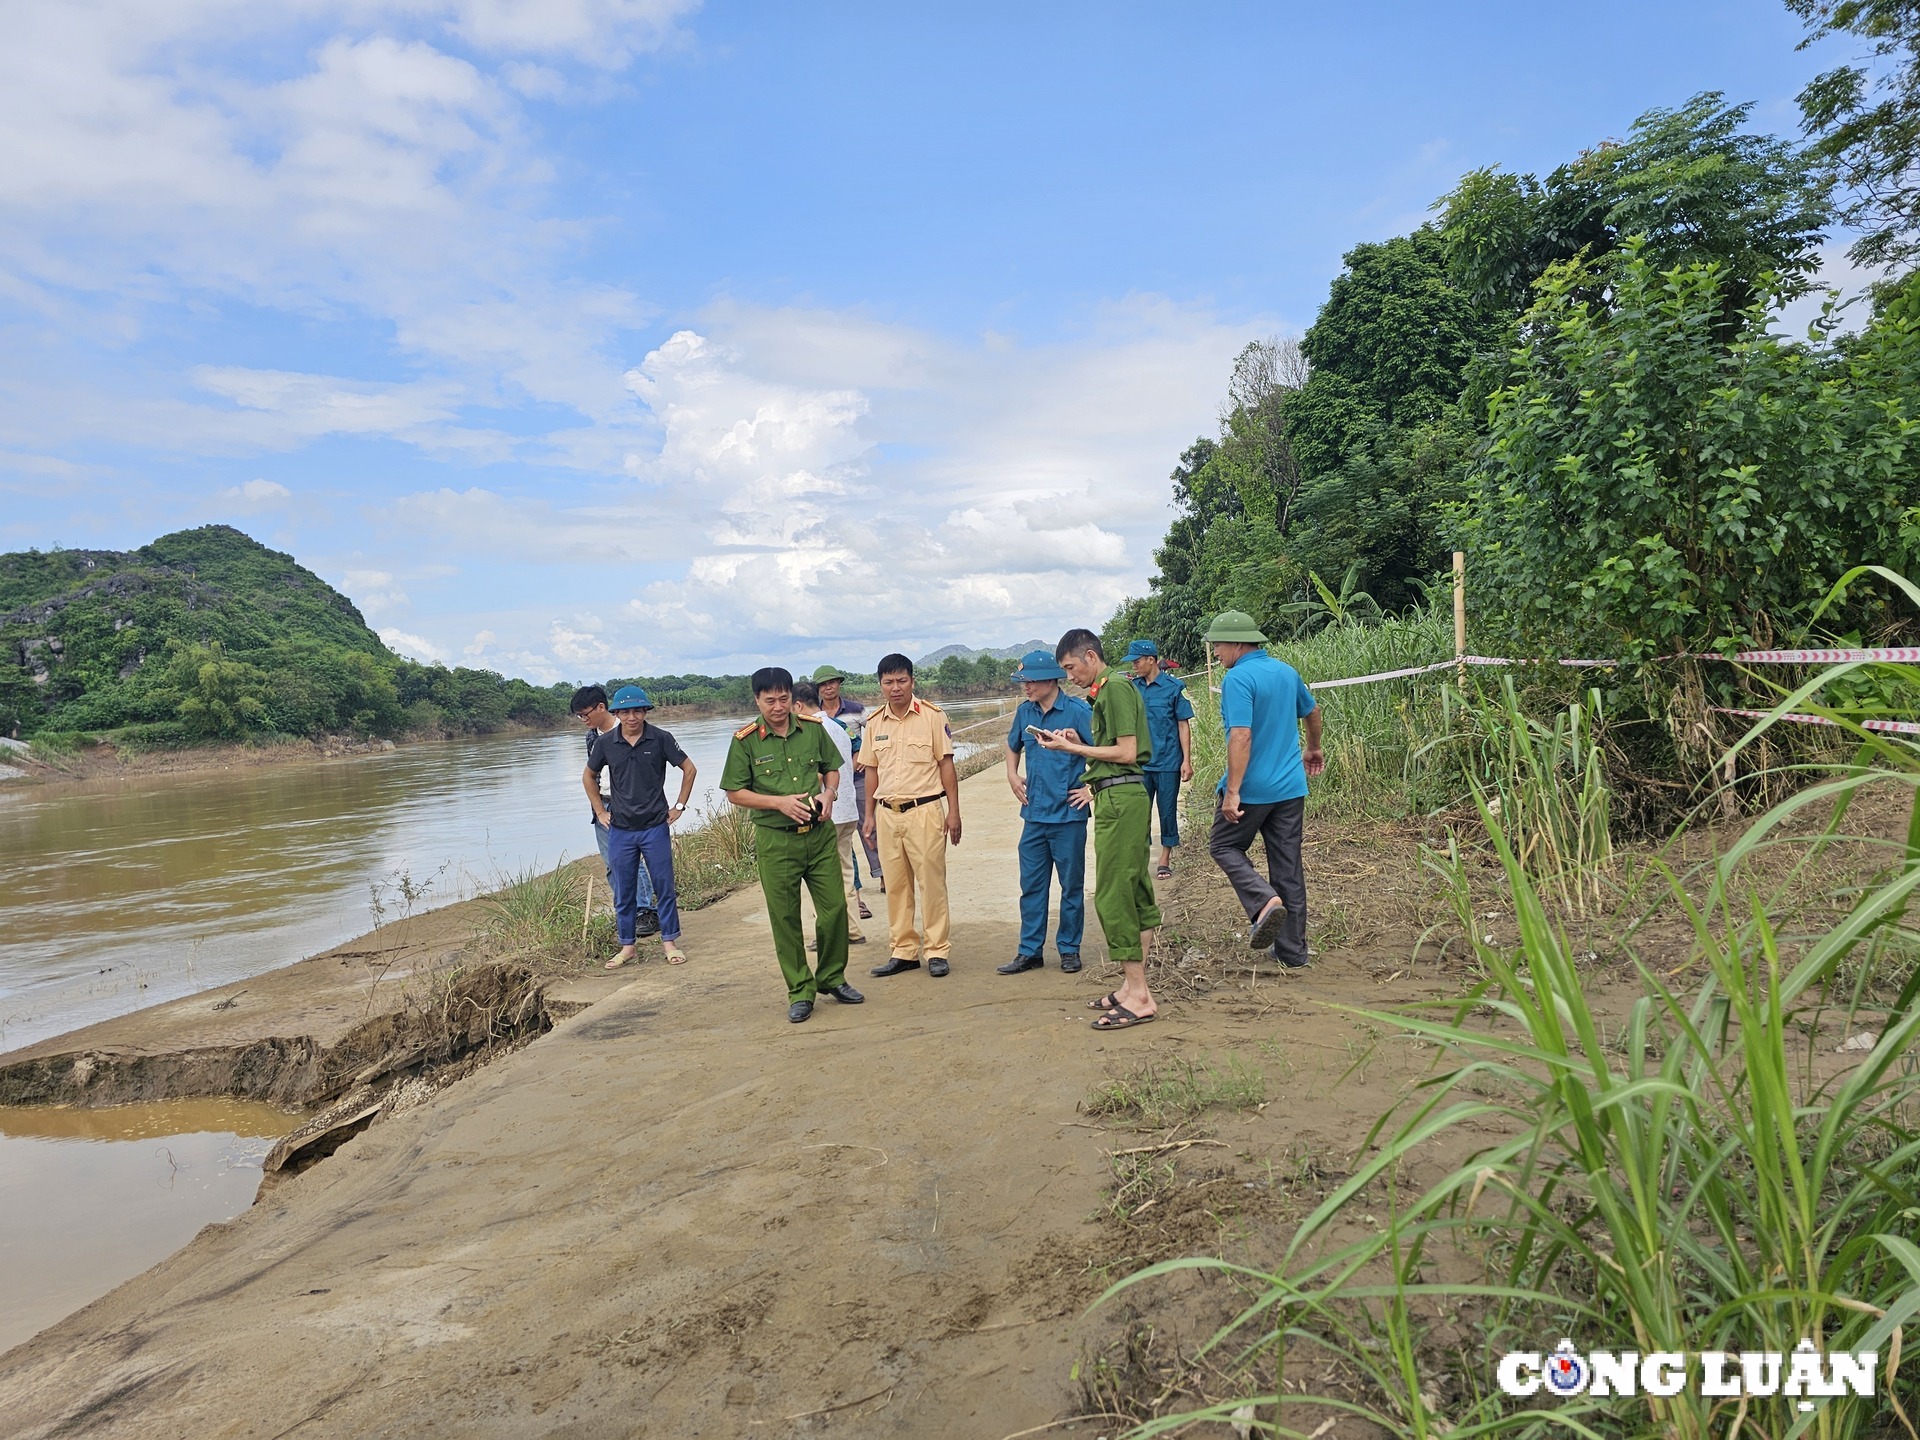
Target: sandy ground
(679, 1215)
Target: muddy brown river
(120, 893)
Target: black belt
(900, 807)
(1096, 786)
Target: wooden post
(586, 917)
(1460, 616)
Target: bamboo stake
(1460, 615)
(587, 917)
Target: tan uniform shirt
(905, 752)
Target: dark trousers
(1278, 827)
(872, 847)
(1163, 788)
(1044, 851)
(631, 854)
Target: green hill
(206, 634)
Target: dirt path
(680, 1215)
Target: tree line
(1579, 379)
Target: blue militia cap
(629, 697)
(1143, 647)
(1039, 665)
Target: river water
(120, 893)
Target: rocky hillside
(208, 634)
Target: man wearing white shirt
(846, 806)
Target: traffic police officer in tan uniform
(913, 809)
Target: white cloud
(159, 155)
(478, 645)
(826, 477)
(259, 493)
(414, 647)
(374, 592)
(1837, 272)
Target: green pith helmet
(1236, 627)
(826, 673)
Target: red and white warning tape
(1892, 654)
(1894, 727)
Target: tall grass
(1546, 781)
(1378, 737)
(1420, 744)
(1700, 1181)
(713, 858)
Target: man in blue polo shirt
(1263, 706)
(1053, 834)
(1169, 717)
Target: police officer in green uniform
(783, 769)
(1113, 785)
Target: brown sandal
(1106, 1002)
(1120, 1018)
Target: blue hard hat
(629, 697)
(1143, 647)
(1039, 665)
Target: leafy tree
(1868, 125)
(1651, 489)
(1378, 430)
(1689, 182)
(221, 696)
(1256, 452)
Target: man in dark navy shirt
(1053, 832)
(590, 708)
(635, 756)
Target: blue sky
(590, 337)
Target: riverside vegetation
(206, 636)
(1577, 381)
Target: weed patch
(1164, 1091)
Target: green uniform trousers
(1122, 882)
(788, 859)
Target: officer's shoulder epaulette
(746, 729)
(929, 705)
(810, 719)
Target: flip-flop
(1106, 1002)
(1120, 1018)
(675, 956)
(1266, 929)
(617, 963)
(1165, 872)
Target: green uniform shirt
(1118, 710)
(770, 764)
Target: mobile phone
(1035, 731)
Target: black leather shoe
(1069, 964)
(846, 994)
(646, 922)
(799, 1010)
(937, 966)
(1019, 965)
(894, 966)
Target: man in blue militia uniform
(1053, 834)
(1169, 722)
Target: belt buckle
(803, 829)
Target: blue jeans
(1044, 851)
(631, 854)
(644, 899)
(1163, 788)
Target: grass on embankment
(1738, 1168)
